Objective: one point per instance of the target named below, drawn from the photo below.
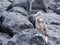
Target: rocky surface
(19, 10)
(15, 21)
(4, 4)
(17, 26)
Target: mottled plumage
(41, 26)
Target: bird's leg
(45, 38)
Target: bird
(41, 26)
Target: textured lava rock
(10, 1)
(22, 3)
(15, 22)
(57, 10)
(1, 42)
(16, 29)
(11, 43)
(19, 10)
(57, 0)
(28, 37)
(32, 20)
(37, 40)
(1, 19)
(4, 4)
(4, 39)
(36, 5)
(39, 5)
(58, 4)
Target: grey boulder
(16, 21)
